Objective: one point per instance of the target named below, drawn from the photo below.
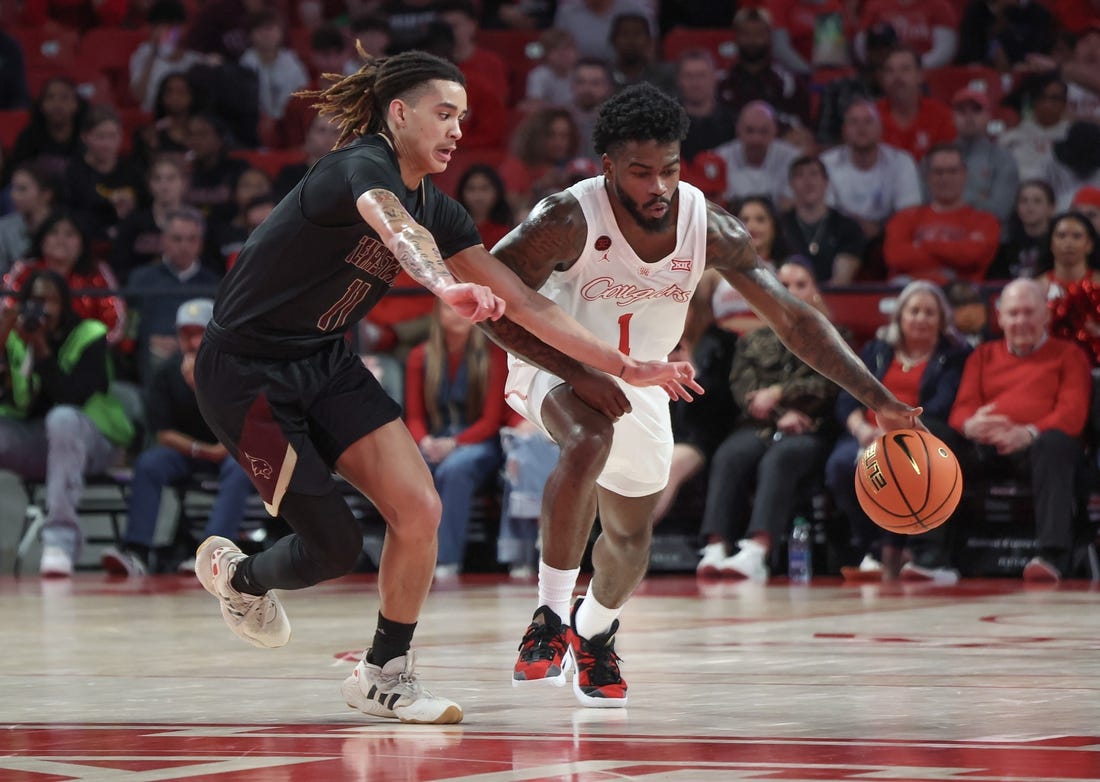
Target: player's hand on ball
(473, 302)
(898, 415)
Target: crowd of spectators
(866, 144)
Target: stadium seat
(520, 49)
(944, 82)
(37, 78)
(48, 46)
(718, 41)
(108, 50)
(270, 161)
(11, 123)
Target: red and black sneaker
(597, 682)
(543, 652)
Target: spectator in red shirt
(1022, 405)
(468, 56)
(945, 239)
(454, 406)
(486, 122)
(911, 121)
(62, 246)
(928, 27)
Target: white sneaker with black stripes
(393, 691)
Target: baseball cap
(196, 312)
(1087, 196)
(969, 95)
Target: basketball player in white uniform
(623, 253)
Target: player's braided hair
(640, 112)
(358, 103)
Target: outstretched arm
(552, 237)
(801, 327)
(419, 255)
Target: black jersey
(314, 267)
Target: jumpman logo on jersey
(602, 245)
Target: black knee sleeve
(326, 544)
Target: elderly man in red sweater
(946, 239)
(1022, 406)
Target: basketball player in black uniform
(283, 391)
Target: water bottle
(800, 552)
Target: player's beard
(651, 225)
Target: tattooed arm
(415, 249)
(552, 237)
(801, 327)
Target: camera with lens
(33, 315)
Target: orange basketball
(908, 481)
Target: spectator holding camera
(62, 246)
(58, 419)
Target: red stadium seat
(859, 309)
(48, 46)
(718, 41)
(11, 123)
(93, 85)
(944, 82)
(270, 161)
(37, 78)
(520, 50)
(108, 50)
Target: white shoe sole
(356, 699)
(205, 574)
(596, 703)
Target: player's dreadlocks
(640, 112)
(358, 102)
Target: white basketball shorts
(641, 447)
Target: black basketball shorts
(287, 421)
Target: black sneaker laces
(538, 642)
(602, 662)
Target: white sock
(556, 589)
(594, 618)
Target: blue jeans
(457, 479)
(159, 467)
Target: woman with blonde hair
(919, 356)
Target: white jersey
(637, 306)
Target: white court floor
(136, 681)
